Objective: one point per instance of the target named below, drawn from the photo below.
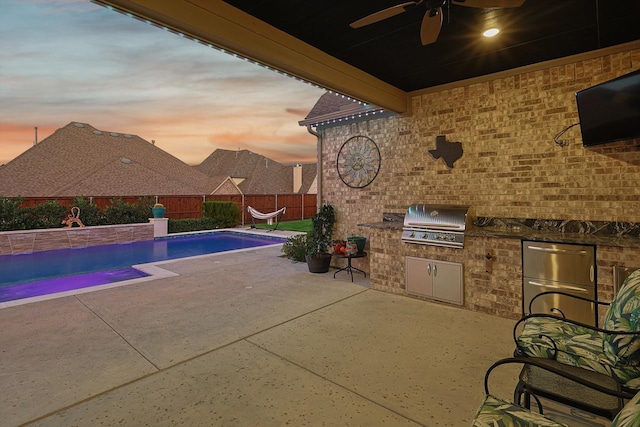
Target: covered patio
(247, 338)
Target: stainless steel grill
(437, 225)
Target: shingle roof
(333, 108)
(330, 103)
(261, 174)
(79, 159)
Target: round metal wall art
(358, 161)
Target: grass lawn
(302, 225)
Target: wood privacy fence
(299, 206)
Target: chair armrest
(541, 294)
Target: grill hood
(439, 225)
(436, 216)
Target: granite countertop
(554, 236)
(623, 235)
(385, 225)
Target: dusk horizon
(40, 139)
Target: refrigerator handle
(563, 287)
(557, 250)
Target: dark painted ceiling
(390, 50)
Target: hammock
(268, 216)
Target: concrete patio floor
(247, 339)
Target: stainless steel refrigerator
(564, 268)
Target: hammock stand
(268, 216)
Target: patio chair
(613, 350)
(497, 412)
(268, 216)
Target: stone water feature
(27, 241)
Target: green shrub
(191, 224)
(49, 214)
(295, 248)
(226, 214)
(90, 213)
(10, 214)
(120, 212)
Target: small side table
(349, 268)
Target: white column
(160, 226)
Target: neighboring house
(80, 160)
(332, 108)
(245, 172)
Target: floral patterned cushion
(629, 416)
(496, 412)
(624, 315)
(577, 346)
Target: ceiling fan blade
(431, 24)
(384, 14)
(486, 4)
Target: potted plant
(359, 240)
(295, 248)
(319, 240)
(158, 210)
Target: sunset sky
(65, 61)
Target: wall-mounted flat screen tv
(610, 111)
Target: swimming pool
(46, 272)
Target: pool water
(45, 272)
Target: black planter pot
(318, 263)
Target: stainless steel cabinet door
(447, 282)
(435, 279)
(419, 278)
(559, 262)
(572, 308)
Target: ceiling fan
(432, 21)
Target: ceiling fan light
(491, 32)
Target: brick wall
(510, 168)
(498, 292)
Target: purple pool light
(68, 283)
